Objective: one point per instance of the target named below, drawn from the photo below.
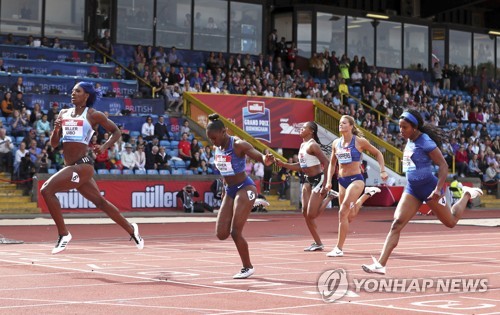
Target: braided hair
(215, 124)
(314, 128)
(437, 134)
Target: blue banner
(113, 106)
(64, 68)
(66, 83)
(44, 53)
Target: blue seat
(115, 171)
(174, 144)
(140, 172)
(165, 143)
(134, 133)
(189, 172)
(19, 140)
(164, 172)
(3, 119)
(179, 164)
(127, 172)
(51, 171)
(177, 172)
(152, 172)
(103, 172)
(173, 152)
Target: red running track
(184, 269)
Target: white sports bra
(306, 159)
(76, 129)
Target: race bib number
(223, 164)
(72, 129)
(408, 164)
(343, 155)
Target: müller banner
(133, 195)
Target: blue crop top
(76, 129)
(347, 154)
(416, 161)
(227, 162)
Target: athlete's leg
(309, 214)
(224, 218)
(243, 204)
(349, 197)
(450, 217)
(406, 209)
(67, 178)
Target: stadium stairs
(12, 200)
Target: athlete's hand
(326, 188)
(384, 175)
(57, 124)
(98, 149)
(435, 195)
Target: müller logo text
(333, 285)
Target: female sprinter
(240, 191)
(75, 127)
(312, 161)
(422, 149)
(347, 151)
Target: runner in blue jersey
(240, 190)
(75, 127)
(347, 151)
(421, 151)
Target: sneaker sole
(368, 270)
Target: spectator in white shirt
(148, 129)
(140, 157)
(6, 147)
(215, 88)
(128, 158)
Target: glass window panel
(360, 39)
(389, 44)
(438, 40)
(135, 22)
(173, 27)
(67, 25)
(304, 33)
(331, 32)
(245, 28)
(416, 47)
(460, 48)
(484, 54)
(21, 17)
(210, 25)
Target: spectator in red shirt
(184, 148)
(462, 161)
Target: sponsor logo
(256, 107)
(75, 178)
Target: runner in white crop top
(75, 127)
(312, 162)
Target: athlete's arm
(331, 167)
(315, 149)
(366, 145)
(98, 117)
(438, 159)
(55, 136)
(242, 147)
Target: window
(67, 25)
(331, 33)
(135, 22)
(388, 44)
(304, 33)
(21, 17)
(460, 48)
(416, 47)
(360, 41)
(174, 22)
(245, 29)
(438, 40)
(484, 54)
(210, 25)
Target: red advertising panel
(274, 121)
(131, 195)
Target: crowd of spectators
(467, 106)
